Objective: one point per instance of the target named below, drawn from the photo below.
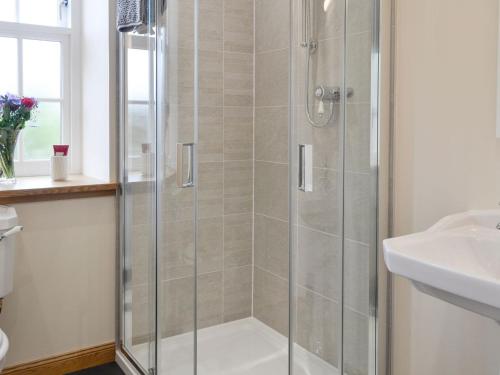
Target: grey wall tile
(360, 215)
(211, 78)
(271, 245)
(358, 132)
(210, 190)
(177, 204)
(271, 78)
(238, 187)
(319, 209)
(317, 325)
(358, 68)
(318, 262)
(237, 293)
(356, 340)
(238, 79)
(271, 189)
(177, 250)
(329, 22)
(177, 306)
(238, 25)
(211, 21)
(359, 16)
(210, 245)
(272, 25)
(271, 300)
(271, 134)
(356, 276)
(238, 133)
(210, 297)
(210, 145)
(238, 240)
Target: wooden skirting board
(66, 363)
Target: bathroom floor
(245, 346)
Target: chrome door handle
(305, 168)
(189, 180)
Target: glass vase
(8, 141)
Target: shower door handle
(305, 168)
(188, 181)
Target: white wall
(445, 162)
(64, 292)
(98, 88)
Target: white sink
(456, 260)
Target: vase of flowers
(15, 111)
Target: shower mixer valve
(327, 94)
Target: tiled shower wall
(225, 239)
(318, 216)
(244, 145)
(225, 169)
(271, 163)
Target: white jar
(59, 168)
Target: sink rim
(442, 276)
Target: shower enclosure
(249, 170)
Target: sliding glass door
(249, 210)
(177, 186)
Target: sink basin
(456, 260)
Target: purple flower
(13, 101)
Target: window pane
(138, 128)
(8, 66)
(42, 132)
(138, 74)
(42, 69)
(39, 12)
(8, 10)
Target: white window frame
(68, 37)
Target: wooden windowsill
(37, 189)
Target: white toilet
(8, 227)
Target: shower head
(308, 40)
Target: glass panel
(8, 12)
(43, 131)
(317, 208)
(360, 220)
(39, 12)
(42, 69)
(8, 66)
(140, 201)
(176, 222)
(138, 74)
(139, 132)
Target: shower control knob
(319, 92)
(328, 94)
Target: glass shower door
(361, 187)
(138, 205)
(177, 180)
(333, 188)
(317, 192)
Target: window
(139, 58)
(35, 40)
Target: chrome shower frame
(380, 139)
